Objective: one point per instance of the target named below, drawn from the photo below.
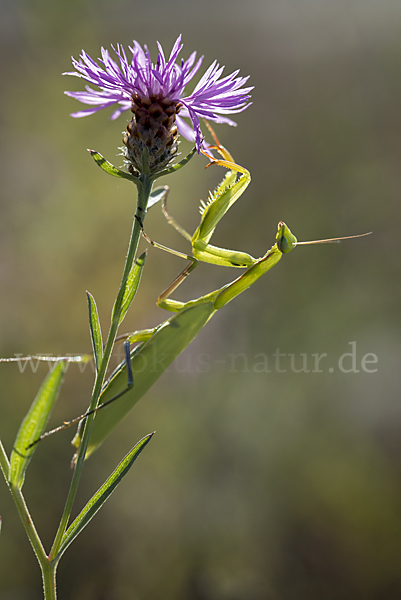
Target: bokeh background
(258, 485)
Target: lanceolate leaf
(106, 166)
(176, 167)
(96, 333)
(97, 501)
(33, 425)
(133, 280)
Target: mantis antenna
(333, 240)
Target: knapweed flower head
(155, 95)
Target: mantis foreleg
(213, 210)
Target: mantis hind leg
(163, 300)
(130, 385)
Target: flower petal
(120, 81)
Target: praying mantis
(157, 348)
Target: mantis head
(285, 239)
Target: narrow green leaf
(133, 280)
(157, 195)
(33, 425)
(106, 166)
(97, 501)
(176, 167)
(96, 332)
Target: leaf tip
(141, 259)
(145, 440)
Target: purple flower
(139, 83)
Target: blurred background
(267, 479)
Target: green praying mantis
(158, 347)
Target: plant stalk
(48, 568)
(4, 462)
(49, 580)
(144, 189)
(28, 524)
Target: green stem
(49, 580)
(48, 568)
(29, 526)
(144, 189)
(22, 510)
